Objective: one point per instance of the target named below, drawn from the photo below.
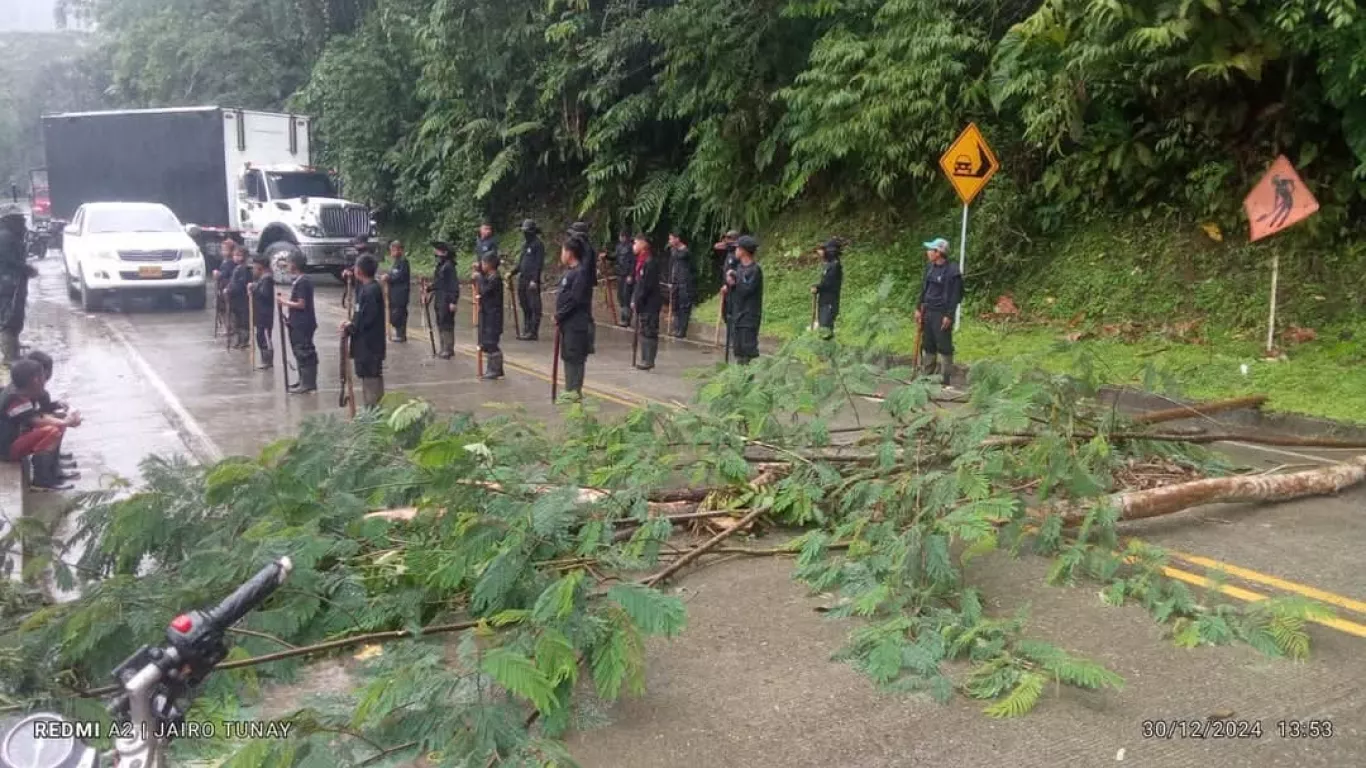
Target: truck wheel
(91, 301)
(277, 256)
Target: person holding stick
(573, 319)
(528, 273)
(827, 291)
(263, 316)
(727, 261)
(446, 294)
(940, 293)
(221, 276)
(302, 322)
(489, 288)
(398, 279)
(646, 301)
(238, 302)
(746, 284)
(367, 332)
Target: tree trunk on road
(1139, 505)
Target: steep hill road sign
(1279, 200)
(969, 163)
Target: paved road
(751, 683)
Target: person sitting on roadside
(27, 433)
(47, 405)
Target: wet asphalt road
(153, 380)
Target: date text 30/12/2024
(193, 729)
(1235, 729)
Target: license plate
(152, 272)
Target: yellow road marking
(1347, 603)
(1247, 595)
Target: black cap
(261, 259)
(530, 226)
(831, 247)
(748, 244)
(441, 245)
(579, 228)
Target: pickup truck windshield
(288, 185)
(131, 220)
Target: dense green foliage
(713, 113)
(542, 588)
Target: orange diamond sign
(1278, 201)
(969, 164)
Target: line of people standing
(644, 282)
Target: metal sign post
(969, 164)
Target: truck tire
(277, 256)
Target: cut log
(1200, 409)
(1140, 505)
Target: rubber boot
(648, 349)
(308, 380)
(447, 344)
(47, 474)
(946, 367)
(371, 391)
(9, 346)
(494, 366)
(573, 380)
(928, 366)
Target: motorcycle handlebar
(251, 594)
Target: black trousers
(530, 299)
(624, 301)
(936, 339)
(398, 318)
(649, 324)
(263, 341)
(826, 314)
(302, 344)
(745, 343)
(369, 367)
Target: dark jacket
(18, 413)
(490, 290)
(237, 287)
(532, 262)
(302, 321)
(624, 260)
(942, 289)
(225, 273)
(572, 313)
(747, 296)
(400, 283)
(445, 286)
(681, 274)
(263, 301)
(647, 298)
(367, 327)
(13, 254)
(832, 280)
(588, 259)
(483, 245)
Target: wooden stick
(668, 307)
(720, 316)
(251, 324)
(388, 326)
(916, 345)
(516, 321)
(555, 367)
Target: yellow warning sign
(969, 164)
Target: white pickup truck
(226, 171)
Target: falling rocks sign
(1278, 201)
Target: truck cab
(283, 209)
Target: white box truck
(226, 171)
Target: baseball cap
(748, 244)
(937, 244)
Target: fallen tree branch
(702, 549)
(1154, 502)
(1015, 438)
(1199, 409)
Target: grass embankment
(1129, 299)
